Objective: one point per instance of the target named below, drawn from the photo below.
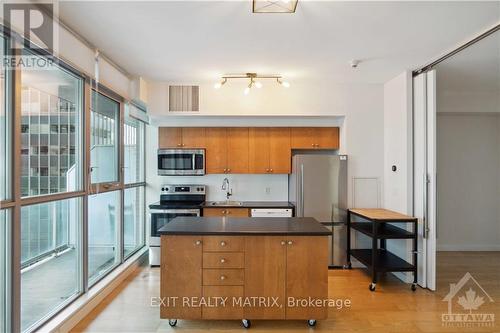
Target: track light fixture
(254, 80)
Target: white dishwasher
(271, 212)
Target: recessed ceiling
(188, 41)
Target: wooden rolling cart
(379, 259)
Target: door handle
(301, 190)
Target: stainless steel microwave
(181, 162)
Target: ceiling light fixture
(252, 77)
(274, 6)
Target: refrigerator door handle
(301, 190)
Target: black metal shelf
(385, 231)
(386, 261)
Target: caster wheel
(311, 322)
(372, 286)
(246, 323)
(413, 286)
(348, 266)
(172, 322)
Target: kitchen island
(244, 268)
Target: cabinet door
(280, 151)
(169, 137)
(181, 275)
(214, 212)
(216, 150)
(307, 275)
(237, 150)
(258, 150)
(193, 137)
(223, 211)
(237, 212)
(327, 138)
(303, 137)
(265, 268)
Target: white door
(424, 173)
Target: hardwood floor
(393, 307)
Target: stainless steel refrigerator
(318, 188)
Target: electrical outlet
(268, 190)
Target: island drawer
(223, 277)
(223, 260)
(223, 244)
(232, 308)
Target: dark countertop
(265, 226)
(253, 204)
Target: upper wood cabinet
(226, 150)
(181, 137)
(269, 150)
(315, 137)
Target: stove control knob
(163, 189)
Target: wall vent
(183, 98)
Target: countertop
(253, 204)
(265, 226)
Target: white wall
(468, 181)
(356, 108)
(398, 152)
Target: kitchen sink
(226, 203)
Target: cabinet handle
(267, 170)
(290, 242)
(223, 212)
(222, 277)
(222, 243)
(179, 144)
(198, 242)
(270, 170)
(312, 144)
(228, 170)
(222, 260)
(283, 242)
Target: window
(50, 258)
(103, 231)
(133, 140)
(4, 132)
(4, 268)
(133, 220)
(51, 100)
(105, 121)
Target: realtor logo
(469, 294)
(33, 21)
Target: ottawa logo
(469, 294)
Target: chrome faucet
(225, 187)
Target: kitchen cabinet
(181, 254)
(181, 137)
(223, 211)
(269, 150)
(237, 150)
(216, 150)
(315, 137)
(279, 267)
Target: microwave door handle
(193, 166)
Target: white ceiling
(476, 68)
(187, 41)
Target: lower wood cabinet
(273, 267)
(223, 211)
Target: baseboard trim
(482, 247)
(80, 308)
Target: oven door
(161, 217)
(181, 162)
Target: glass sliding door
(103, 234)
(104, 139)
(133, 140)
(51, 131)
(133, 220)
(4, 269)
(5, 142)
(49, 282)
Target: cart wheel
(413, 286)
(348, 266)
(311, 322)
(372, 286)
(246, 323)
(172, 322)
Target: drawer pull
(198, 242)
(283, 242)
(290, 242)
(222, 260)
(222, 277)
(222, 243)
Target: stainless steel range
(175, 200)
